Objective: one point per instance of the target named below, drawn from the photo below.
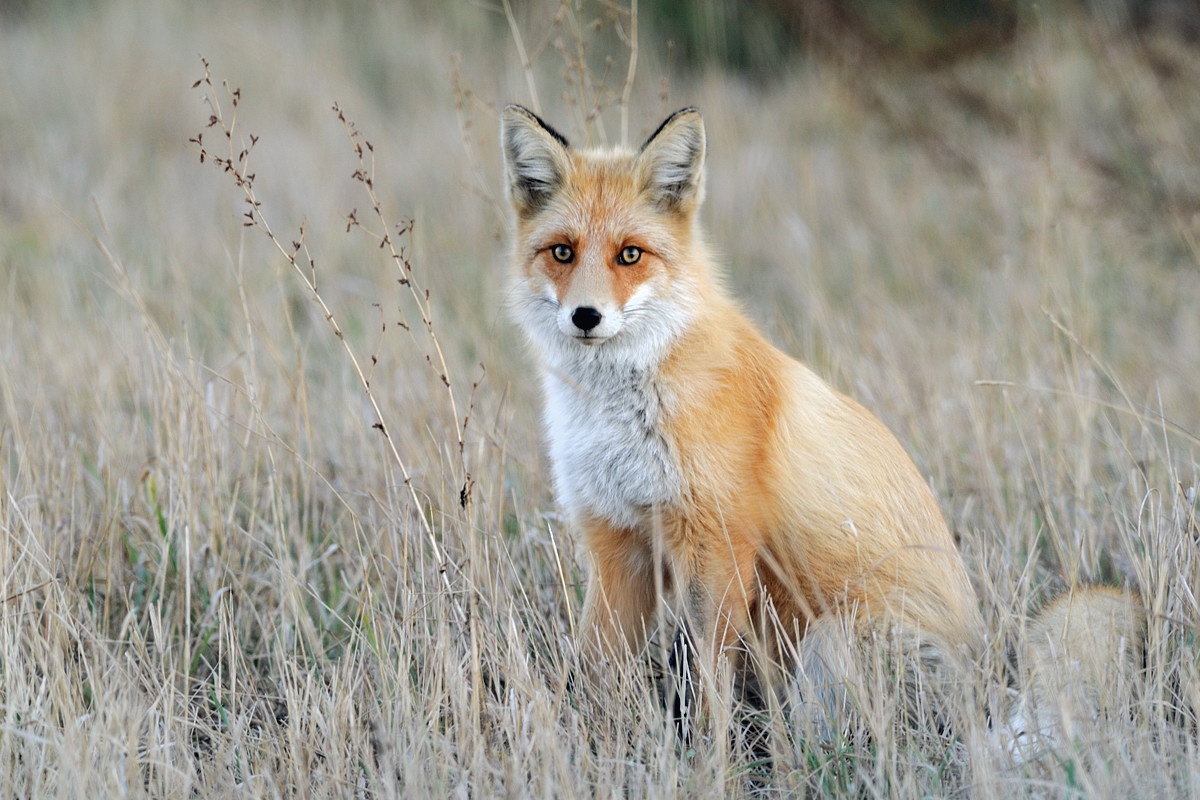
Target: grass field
(244, 555)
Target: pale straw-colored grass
(221, 579)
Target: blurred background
(925, 200)
(981, 219)
(961, 213)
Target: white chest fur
(605, 427)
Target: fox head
(607, 246)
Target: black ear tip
(687, 111)
(683, 112)
(514, 114)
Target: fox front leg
(621, 595)
(717, 598)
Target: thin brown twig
(237, 164)
(526, 64)
(627, 91)
(420, 296)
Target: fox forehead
(602, 202)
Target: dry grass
(221, 579)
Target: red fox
(699, 462)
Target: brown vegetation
(237, 561)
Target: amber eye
(562, 253)
(629, 255)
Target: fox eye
(562, 253)
(629, 255)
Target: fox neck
(606, 408)
(610, 458)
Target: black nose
(586, 318)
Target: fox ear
(535, 159)
(672, 161)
